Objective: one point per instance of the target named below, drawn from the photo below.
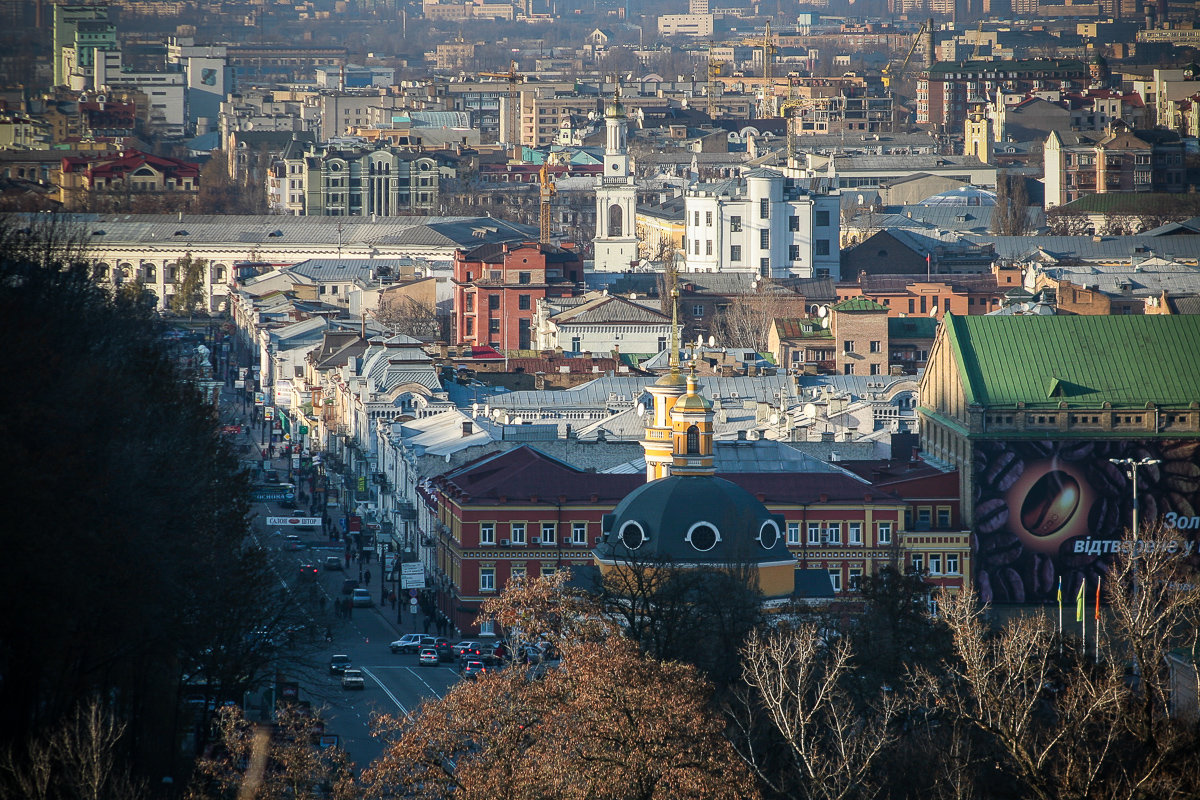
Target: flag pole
(1060, 617)
(1099, 579)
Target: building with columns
(616, 244)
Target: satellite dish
(518, 421)
(712, 341)
(774, 419)
(933, 311)
(474, 408)
(823, 312)
(641, 409)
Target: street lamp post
(1131, 469)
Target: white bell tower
(615, 245)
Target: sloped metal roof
(1126, 360)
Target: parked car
(362, 598)
(408, 643)
(353, 679)
(333, 563)
(466, 644)
(309, 570)
(486, 653)
(472, 669)
(339, 664)
(428, 657)
(349, 585)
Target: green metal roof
(1084, 361)
(859, 304)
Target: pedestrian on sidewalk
(392, 597)
(367, 579)
(427, 626)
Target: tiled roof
(518, 474)
(1126, 360)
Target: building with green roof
(1032, 411)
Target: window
(470, 304)
(943, 518)
(848, 346)
(918, 563)
(549, 533)
(735, 253)
(693, 440)
(516, 573)
(924, 518)
(814, 533)
(696, 218)
(697, 311)
(822, 247)
(470, 326)
(764, 238)
(518, 533)
(708, 247)
(883, 532)
(935, 564)
(524, 277)
(951, 563)
(735, 224)
(834, 533)
(708, 218)
(793, 252)
(493, 301)
(793, 533)
(493, 326)
(793, 224)
(487, 579)
(523, 302)
(578, 533)
(487, 533)
(876, 346)
(855, 578)
(847, 369)
(548, 571)
(764, 267)
(854, 533)
(764, 208)
(820, 219)
(835, 577)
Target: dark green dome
(693, 520)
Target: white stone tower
(615, 245)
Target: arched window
(614, 220)
(693, 440)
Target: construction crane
(767, 43)
(784, 108)
(547, 192)
(888, 76)
(515, 79)
(714, 72)
(978, 40)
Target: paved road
(395, 684)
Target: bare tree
(747, 320)
(823, 746)
(189, 285)
(406, 315)
(1010, 216)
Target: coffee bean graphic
(1004, 471)
(1013, 584)
(1050, 503)
(991, 515)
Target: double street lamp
(1131, 469)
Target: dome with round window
(694, 520)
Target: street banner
(412, 575)
(305, 522)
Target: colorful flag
(1080, 603)
(1098, 599)
(1060, 592)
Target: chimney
(467, 428)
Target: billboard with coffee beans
(1050, 509)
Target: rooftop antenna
(674, 357)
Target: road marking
(386, 691)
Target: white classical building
(762, 223)
(598, 322)
(616, 244)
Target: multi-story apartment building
(762, 223)
(1035, 447)
(66, 23)
(1120, 160)
(132, 173)
(353, 181)
(497, 289)
(947, 90)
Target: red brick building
(522, 512)
(133, 173)
(497, 287)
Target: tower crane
(768, 53)
(515, 79)
(888, 75)
(546, 194)
(714, 72)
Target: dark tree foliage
(895, 630)
(125, 536)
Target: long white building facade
(762, 223)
